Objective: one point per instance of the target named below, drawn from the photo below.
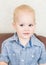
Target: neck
(23, 41)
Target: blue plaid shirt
(14, 53)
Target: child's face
(25, 25)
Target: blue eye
(21, 25)
(30, 25)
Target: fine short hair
(22, 8)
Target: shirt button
(32, 56)
(22, 60)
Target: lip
(26, 33)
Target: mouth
(26, 33)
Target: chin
(26, 37)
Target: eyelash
(28, 25)
(21, 25)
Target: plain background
(6, 14)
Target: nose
(26, 28)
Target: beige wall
(6, 14)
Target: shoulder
(8, 42)
(35, 41)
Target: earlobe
(13, 24)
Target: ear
(14, 25)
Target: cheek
(32, 29)
(19, 30)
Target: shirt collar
(35, 41)
(16, 39)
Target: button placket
(22, 57)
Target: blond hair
(22, 8)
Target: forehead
(25, 14)
(23, 10)
(25, 17)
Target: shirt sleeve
(42, 59)
(4, 53)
